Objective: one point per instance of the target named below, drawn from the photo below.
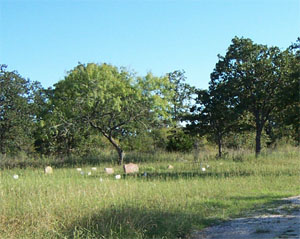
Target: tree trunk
(120, 151)
(220, 148)
(259, 124)
(219, 142)
(121, 156)
(258, 141)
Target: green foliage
(212, 115)
(160, 138)
(17, 112)
(244, 140)
(59, 134)
(254, 76)
(110, 100)
(141, 142)
(178, 140)
(253, 88)
(181, 96)
(153, 140)
(288, 114)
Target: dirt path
(281, 222)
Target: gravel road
(277, 223)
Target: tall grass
(163, 204)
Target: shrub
(180, 141)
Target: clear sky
(43, 39)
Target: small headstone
(89, 173)
(16, 176)
(48, 170)
(203, 169)
(131, 168)
(170, 167)
(109, 170)
(78, 169)
(118, 176)
(94, 169)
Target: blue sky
(43, 39)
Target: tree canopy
(253, 88)
(113, 101)
(17, 112)
(254, 75)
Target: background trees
(212, 115)
(254, 76)
(288, 113)
(251, 86)
(17, 112)
(181, 96)
(254, 89)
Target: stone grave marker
(109, 170)
(131, 168)
(48, 170)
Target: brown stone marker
(109, 170)
(131, 168)
(170, 167)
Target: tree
(113, 101)
(291, 95)
(17, 112)
(212, 115)
(254, 75)
(181, 95)
(57, 132)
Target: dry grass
(164, 204)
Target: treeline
(252, 101)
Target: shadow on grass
(263, 203)
(266, 220)
(249, 223)
(134, 223)
(185, 175)
(274, 199)
(193, 174)
(57, 162)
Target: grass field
(167, 203)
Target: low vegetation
(163, 203)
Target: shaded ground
(276, 223)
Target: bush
(180, 141)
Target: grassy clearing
(164, 204)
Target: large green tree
(112, 101)
(17, 112)
(255, 76)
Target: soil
(277, 223)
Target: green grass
(165, 204)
